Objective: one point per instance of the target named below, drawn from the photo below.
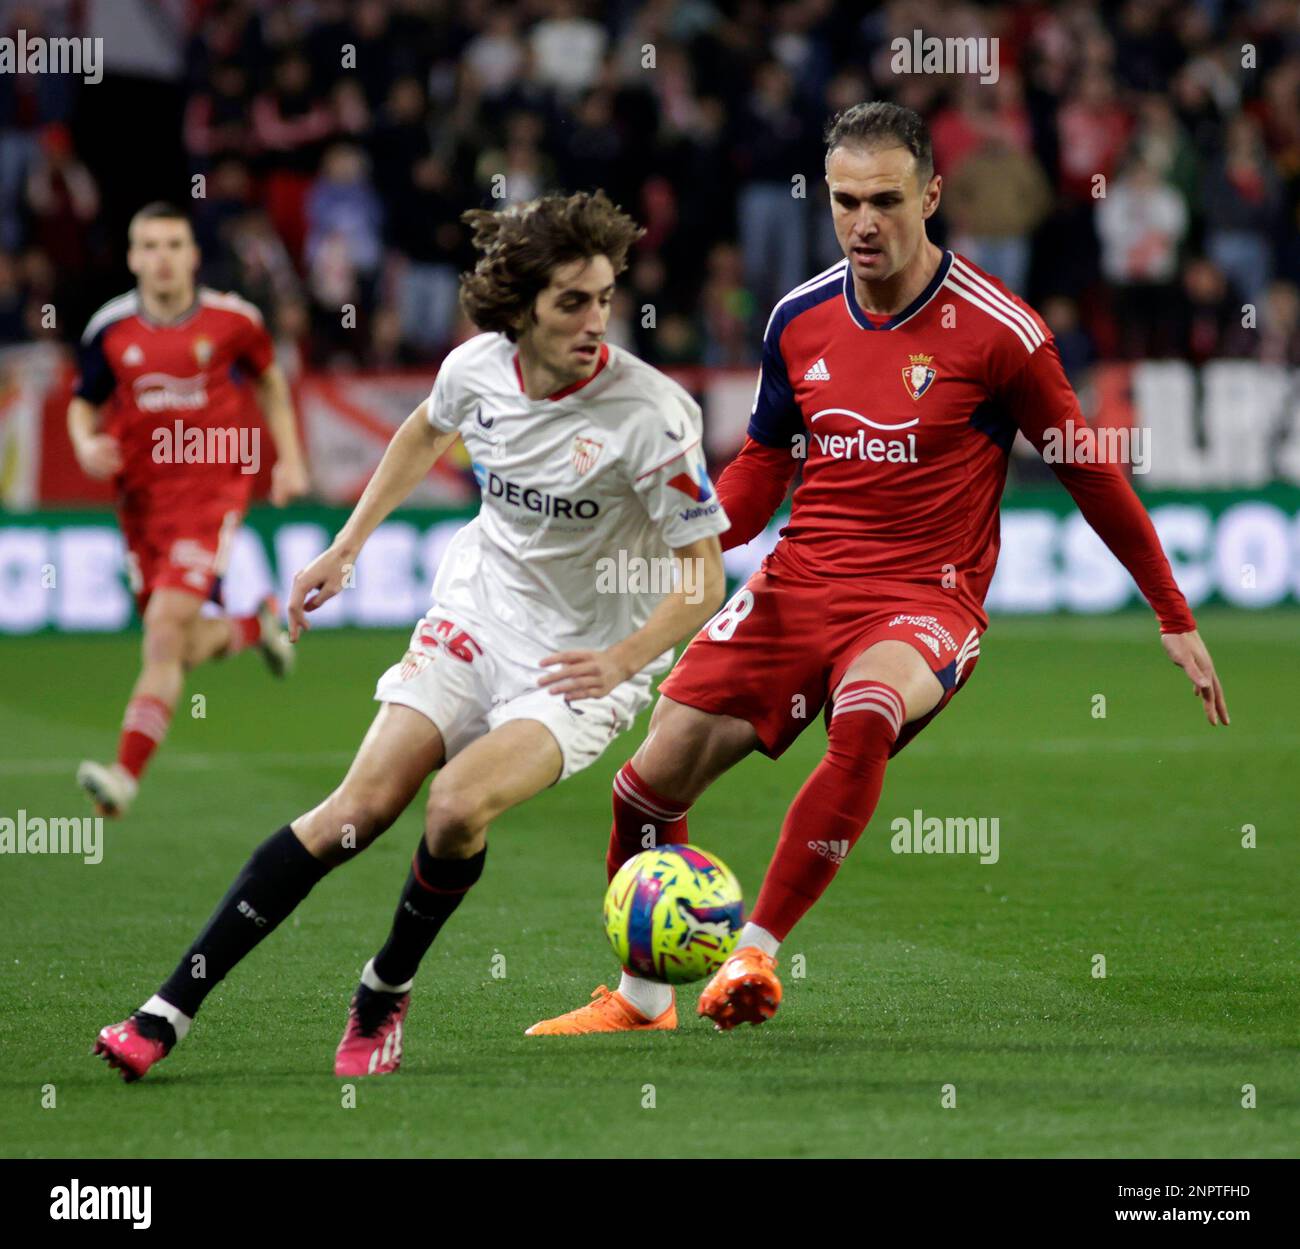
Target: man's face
(163, 255)
(879, 208)
(570, 317)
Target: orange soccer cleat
(606, 1012)
(745, 989)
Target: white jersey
(584, 494)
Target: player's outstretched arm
(592, 674)
(1111, 506)
(289, 476)
(414, 450)
(1193, 657)
(1043, 404)
(98, 454)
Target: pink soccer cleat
(372, 1041)
(129, 1050)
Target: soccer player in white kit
(534, 655)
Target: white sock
(371, 981)
(752, 934)
(179, 1022)
(648, 996)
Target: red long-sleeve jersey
(904, 426)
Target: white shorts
(471, 679)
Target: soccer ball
(673, 914)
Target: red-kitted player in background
(162, 407)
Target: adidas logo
(929, 641)
(819, 372)
(836, 851)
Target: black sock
(155, 1027)
(279, 875)
(434, 888)
(373, 1008)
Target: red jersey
(904, 427)
(178, 402)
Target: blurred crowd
(1134, 172)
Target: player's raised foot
(745, 989)
(606, 1012)
(274, 642)
(135, 1044)
(372, 1041)
(111, 787)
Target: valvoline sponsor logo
(530, 498)
(699, 488)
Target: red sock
(245, 631)
(834, 806)
(639, 812)
(143, 727)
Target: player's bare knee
(191, 648)
(664, 760)
(164, 641)
(315, 837)
(687, 749)
(455, 819)
(898, 666)
(345, 823)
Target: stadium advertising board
(64, 571)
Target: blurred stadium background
(328, 148)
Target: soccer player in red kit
(900, 378)
(162, 366)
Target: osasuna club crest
(585, 453)
(918, 375)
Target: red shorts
(187, 553)
(781, 645)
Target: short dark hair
(877, 124)
(520, 246)
(158, 210)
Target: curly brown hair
(521, 246)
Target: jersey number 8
(725, 623)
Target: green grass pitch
(1119, 836)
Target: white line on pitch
(185, 762)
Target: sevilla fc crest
(585, 453)
(413, 663)
(918, 375)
